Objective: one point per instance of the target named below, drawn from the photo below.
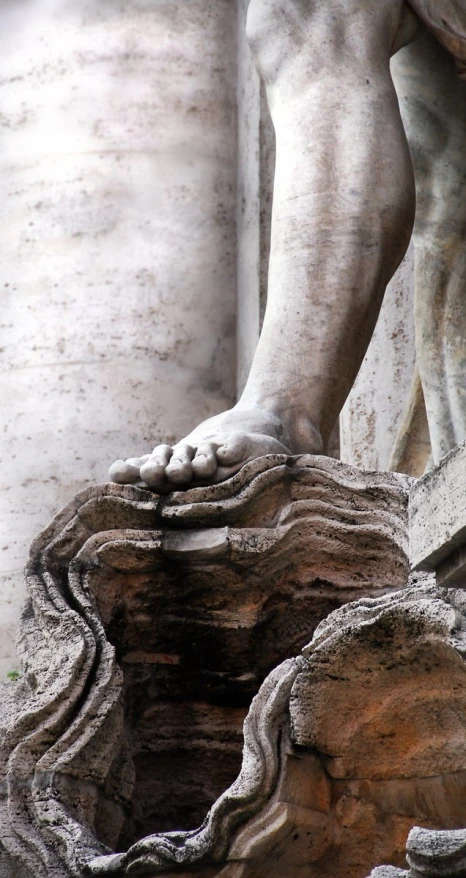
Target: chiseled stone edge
(431, 854)
(47, 730)
(240, 489)
(437, 511)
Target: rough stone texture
(388, 872)
(438, 520)
(437, 854)
(251, 791)
(383, 686)
(393, 671)
(433, 854)
(118, 215)
(152, 623)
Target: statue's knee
(262, 22)
(295, 19)
(286, 29)
(280, 20)
(275, 28)
(280, 31)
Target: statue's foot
(213, 452)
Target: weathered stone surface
(438, 520)
(405, 714)
(437, 854)
(392, 737)
(434, 854)
(141, 656)
(388, 872)
(118, 216)
(152, 623)
(322, 815)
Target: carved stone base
(346, 748)
(152, 623)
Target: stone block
(438, 520)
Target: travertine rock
(376, 742)
(388, 872)
(437, 854)
(152, 623)
(432, 854)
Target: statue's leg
(433, 102)
(342, 218)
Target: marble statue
(343, 213)
(157, 627)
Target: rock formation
(346, 747)
(152, 623)
(157, 625)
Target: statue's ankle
(305, 436)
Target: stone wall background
(371, 418)
(118, 217)
(137, 159)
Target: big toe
(234, 449)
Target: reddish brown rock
(371, 741)
(377, 744)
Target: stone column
(118, 192)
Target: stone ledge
(438, 520)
